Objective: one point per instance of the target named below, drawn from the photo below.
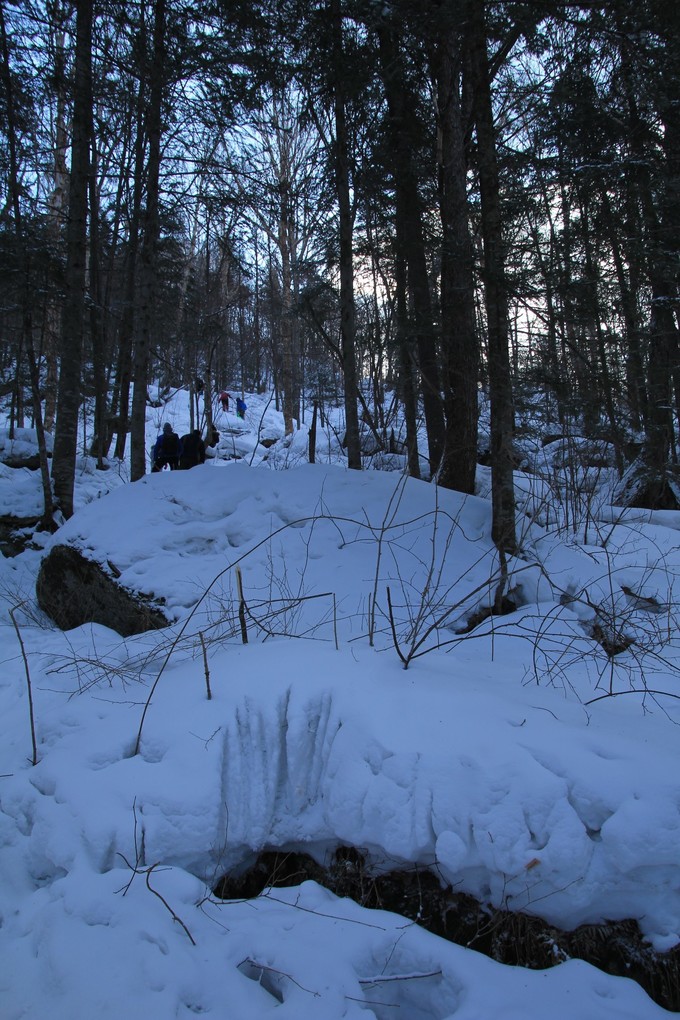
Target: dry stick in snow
(137, 870)
(165, 902)
(34, 760)
(383, 978)
(279, 973)
(290, 603)
(205, 665)
(241, 606)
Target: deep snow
(498, 756)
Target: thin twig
(205, 664)
(34, 760)
(398, 977)
(165, 902)
(280, 973)
(394, 630)
(321, 913)
(643, 690)
(241, 606)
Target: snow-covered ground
(532, 770)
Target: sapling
(34, 759)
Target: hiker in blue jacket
(167, 450)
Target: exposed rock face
(73, 590)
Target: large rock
(16, 533)
(73, 590)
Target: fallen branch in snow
(273, 970)
(398, 977)
(165, 902)
(147, 875)
(372, 1002)
(137, 870)
(322, 913)
(642, 690)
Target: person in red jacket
(224, 397)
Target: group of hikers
(171, 451)
(241, 406)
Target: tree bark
(149, 254)
(57, 208)
(459, 334)
(406, 376)
(97, 324)
(495, 290)
(347, 310)
(286, 250)
(408, 211)
(127, 320)
(72, 325)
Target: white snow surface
(518, 760)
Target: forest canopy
(345, 202)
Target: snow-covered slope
(487, 759)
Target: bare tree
(148, 263)
(73, 315)
(495, 288)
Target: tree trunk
(495, 290)
(149, 254)
(459, 334)
(605, 394)
(57, 210)
(347, 310)
(72, 325)
(628, 284)
(288, 403)
(409, 215)
(127, 320)
(406, 363)
(97, 325)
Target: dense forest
(383, 204)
